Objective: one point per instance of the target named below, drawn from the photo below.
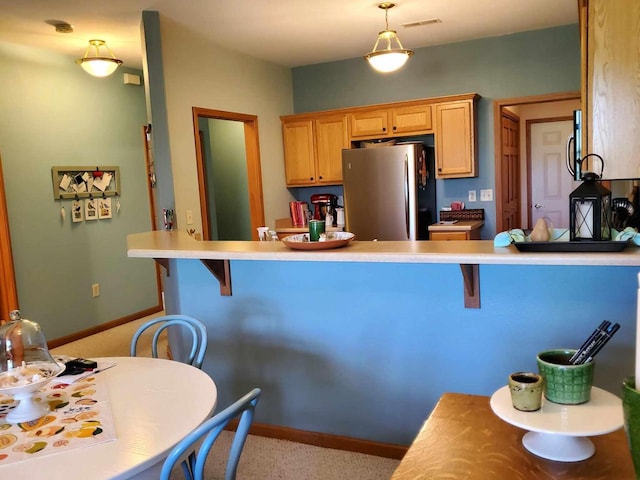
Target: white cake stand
(559, 432)
(27, 408)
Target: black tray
(576, 246)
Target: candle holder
(590, 208)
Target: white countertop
(173, 244)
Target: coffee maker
(324, 203)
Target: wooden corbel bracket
(165, 263)
(221, 269)
(471, 277)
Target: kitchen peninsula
(362, 341)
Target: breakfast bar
(362, 341)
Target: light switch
(472, 195)
(189, 217)
(486, 195)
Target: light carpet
(262, 458)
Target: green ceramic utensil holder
(631, 411)
(565, 383)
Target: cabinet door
(331, 137)
(613, 87)
(449, 236)
(299, 157)
(407, 120)
(370, 124)
(455, 140)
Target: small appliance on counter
(323, 204)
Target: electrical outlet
(189, 217)
(486, 195)
(472, 195)
(95, 290)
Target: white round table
(559, 432)
(154, 404)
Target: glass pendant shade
(97, 65)
(590, 210)
(388, 54)
(388, 59)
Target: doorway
(526, 108)
(8, 291)
(550, 183)
(229, 174)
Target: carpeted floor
(262, 458)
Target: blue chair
(208, 432)
(195, 327)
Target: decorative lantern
(590, 210)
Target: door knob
(539, 205)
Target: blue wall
(366, 350)
(518, 65)
(53, 113)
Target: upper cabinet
(455, 140)
(313, 142)
(391, 122)
(313, 149)
(611, 85)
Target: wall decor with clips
(85, 182)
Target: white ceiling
(286, 32)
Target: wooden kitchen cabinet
(462, 230)
(455, 140)
(611, 85)
(391, 122)
(313, 149)
(313, 142)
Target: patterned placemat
(80, 416)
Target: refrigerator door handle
(406, 196)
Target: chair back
(208, 432)
(195, 327)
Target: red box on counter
(299, 213)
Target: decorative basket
(462, 215)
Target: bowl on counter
(328, 240)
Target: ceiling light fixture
(391, 55)
(96, 65)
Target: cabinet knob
(384, 129)
(320, 177)
(394, 128)
(310, 178)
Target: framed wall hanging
(85, 182)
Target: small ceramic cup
(316, 227)
(565, 383)
(526, 391)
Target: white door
(551, 182)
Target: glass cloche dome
(21, 341)
(25, 366)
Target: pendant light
(97, 65)
(391, 55)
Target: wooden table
(464, 439)
(154, 404)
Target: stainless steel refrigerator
(389, 192)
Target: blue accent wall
(52, 113)
(366, 350)
(523, 64)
